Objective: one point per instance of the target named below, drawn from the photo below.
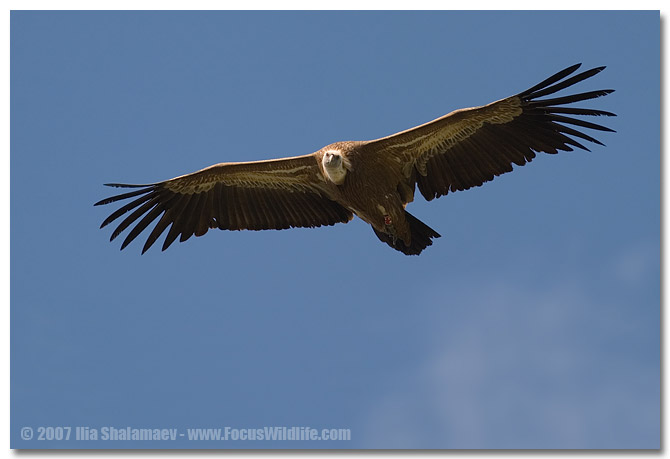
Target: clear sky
(532, 323)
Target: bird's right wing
(274, 194)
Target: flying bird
(373, 179)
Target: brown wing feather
(275, 194)
(469, 147)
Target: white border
(272, 4)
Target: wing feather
(191, 218)
(148, 218)
(133, 216)
(551, 80)
(164, 221)
(222, 216)
(128, 207)
(469, 147)
(275, 194)
(119, 197)
(565, 83)
(205, 216)
(176, 223)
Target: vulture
(374, 179)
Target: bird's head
(332, 158)
(335, 166)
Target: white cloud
(637, 261)
(513, 367)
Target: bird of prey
(373, 179)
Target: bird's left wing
(274, 194)
(469, 147)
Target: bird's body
(372, 197)
(374, 180)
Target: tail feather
(422, 236)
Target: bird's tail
(422, 236)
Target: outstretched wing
(469, 147)
(275, 194)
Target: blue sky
(532, 323)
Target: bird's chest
(371, 192)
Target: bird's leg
(389, 224)
(390, 228)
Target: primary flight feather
(373, 179)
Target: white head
(335, 166)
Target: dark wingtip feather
(125, 243)
(131, 205)
(120, 197)
(557, 86)
(114, 236)
(102, 202)
(577, 111)
(128, 185)
(167, 243)
(171, 236)
(551, 80)
(570, 99)
(578, 122)
(597, 70)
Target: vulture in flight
(373, 179)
